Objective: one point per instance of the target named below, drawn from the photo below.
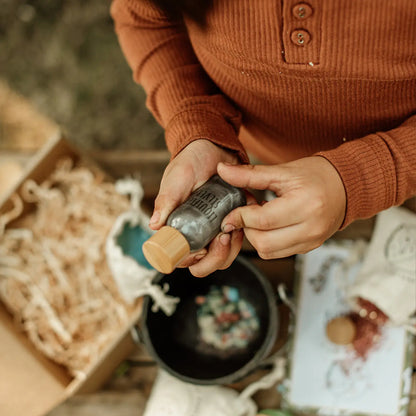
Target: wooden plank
(146, 165)
(22, 127)
(104, 403)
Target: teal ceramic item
(131, 240)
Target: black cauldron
(172, 340)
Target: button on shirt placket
(300, 37)
(301, 31)
(302, 11)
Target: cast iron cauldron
(172, 340)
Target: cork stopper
(165, 249)
(341, 330)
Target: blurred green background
(65, 58)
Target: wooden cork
(165, 249)
(341, 330)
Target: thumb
(171, 194)
(164, 205)
(248, 176)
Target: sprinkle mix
(225, 320)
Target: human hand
(310, 206)
(191, 168)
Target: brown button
(300, 37)
(302, 11)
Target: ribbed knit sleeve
(180, 95)
(378, 170)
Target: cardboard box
(31, 384)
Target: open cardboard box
(31, 384)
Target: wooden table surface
(126, 392)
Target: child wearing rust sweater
(323, 93)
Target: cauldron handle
(286, 298)
(137, 335)
(283, 297)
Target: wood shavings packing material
(53, 275)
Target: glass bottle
(192, 225)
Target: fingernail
(199, 256)
(225, 164)
(155, 217)
(225, 239)
(228, 228)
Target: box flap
(40, 166)
(28, 380)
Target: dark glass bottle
(192, 225)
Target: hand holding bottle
(191, 168)
(310, 206)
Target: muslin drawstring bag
(173, 397)
(131, 272)
(387, 277)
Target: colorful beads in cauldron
(225, 320)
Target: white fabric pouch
(387, 277)
(130, 270)
(173, 397)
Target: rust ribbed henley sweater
(335, 78)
